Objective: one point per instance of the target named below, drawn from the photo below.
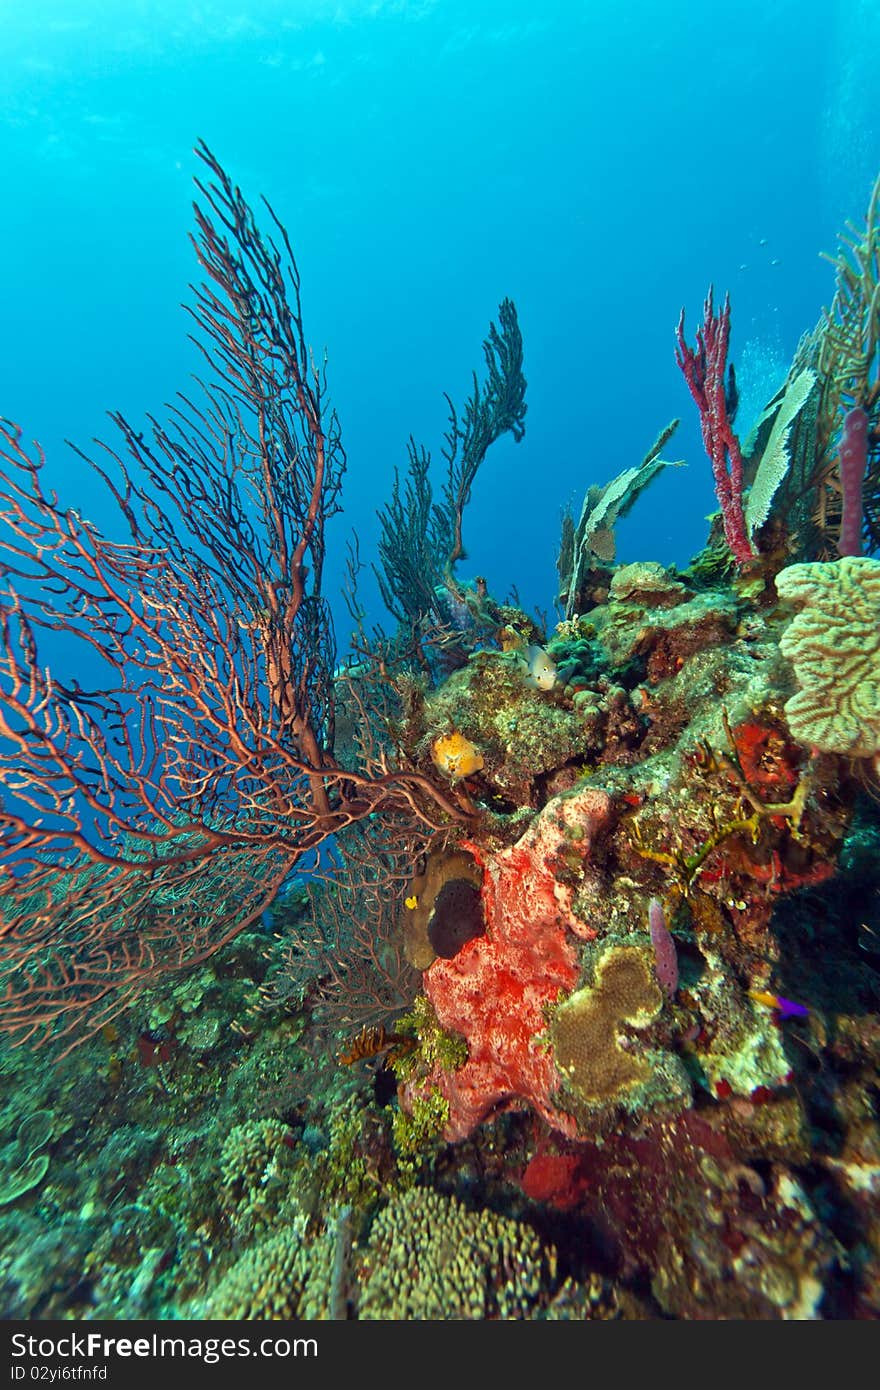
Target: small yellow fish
(411, 902)
(456, 756)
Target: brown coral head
(586, 1028)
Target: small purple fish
(787, 1008)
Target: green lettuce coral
(22, 1165)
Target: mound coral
(590, 1045)
(586, 1027)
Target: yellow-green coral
(712, 566)
(281, 1277)
(255, 1166)
(426, 1120)
(428, 1114)
(435, 1047)
(342, 1171)
(429, 1258)
(834, 646)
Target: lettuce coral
(834, 646)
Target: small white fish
(540, 668)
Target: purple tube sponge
(853, 463)
(665, 955)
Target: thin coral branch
(150, 815)
(704, 368)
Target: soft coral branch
(704, 371)
(149, 817)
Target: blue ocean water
(600, 164)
